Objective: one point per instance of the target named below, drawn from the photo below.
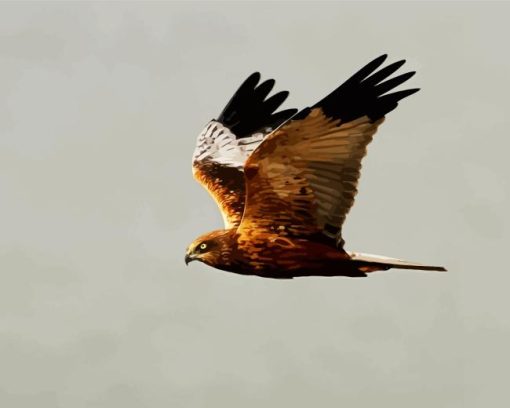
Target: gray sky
(100, 105)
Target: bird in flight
(285, 181)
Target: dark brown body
(292, 264)
(271, 255)
(280, 257)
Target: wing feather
(302, 179)
(299, 180)
(224, 144)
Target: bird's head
(213, 248)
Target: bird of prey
(285, 181)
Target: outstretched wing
(302, 179)
(225, 143)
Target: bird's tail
(371, 263)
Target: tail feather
(386, 263)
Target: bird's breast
(272, 252)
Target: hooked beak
(188, 258)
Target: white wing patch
(219, 144)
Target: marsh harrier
(285, 181)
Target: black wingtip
(378, 61)
(254, 77)
(264, 88)
(368, 69)
(402, 94)
(392, 83)
(268, 82)
(381, 58)
(383, 73)
(250, 109)
(364, 93)
(272, 103)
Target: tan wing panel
(303, 178)
(226, 186)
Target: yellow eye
(203, 246)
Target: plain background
(100, 106)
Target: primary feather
(225, 143)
